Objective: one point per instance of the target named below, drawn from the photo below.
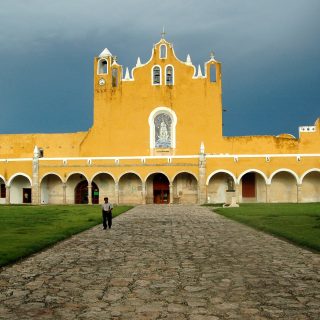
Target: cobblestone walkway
(162, 262)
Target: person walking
(106, 214)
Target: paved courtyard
(165, 262)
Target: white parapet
(307, 129)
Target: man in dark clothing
(106, 214)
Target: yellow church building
(157, 138)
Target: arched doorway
(253, 187)
(81, 193)
(20, 190)
(161, 189)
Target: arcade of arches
(130, 188)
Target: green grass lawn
(299, 223)
(27, 229)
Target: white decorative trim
(19, 174)
(221, 171)
(152, 115)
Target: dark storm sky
(269, 51)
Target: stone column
(268, 186)
(7, 194)
(171, 192)
(202, 188)
(144, 193)
(116, 186)
(89, 193)
(35, 176)
(237, 192)
(64, 193)
(299, 192)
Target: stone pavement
(165, 262)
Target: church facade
(157, 138)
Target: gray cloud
(269, 51)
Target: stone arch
(252, 186)
(3, 190)
(106, 184)
(310, 186)
(185, 188)
(130, 188)
(72, 180)
(51, 189)
(252, 170)
(307, 172)
(81, 193)
(19, 174)
(283, 187)
(20, 188)
(219, 183)
(284, 170)
(157, 188)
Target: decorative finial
(199, 72)
(188, 61)
(127, 76)
(212, 55)
(163, 33)
(202, 147)
(138, 64)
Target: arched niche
(283, 187)
(130, 189)
(185, 188)
(51, 189)
(219, 184)
(310, 187)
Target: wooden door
(249, 185)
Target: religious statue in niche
(162, 126)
